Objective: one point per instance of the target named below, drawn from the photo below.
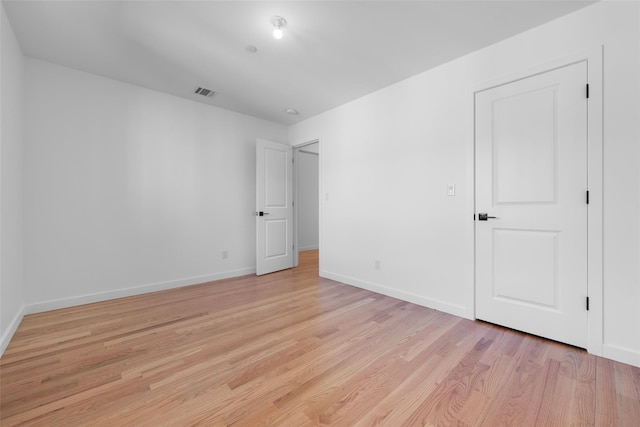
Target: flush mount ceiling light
(279, 23)
(291, 112)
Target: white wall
(129, 190)
(308, 204)
(11, 141)
(388, 157)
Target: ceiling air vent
(204, 92)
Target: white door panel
(517, 279)
(274, 211)
(276, 237)
(525, 166)
(531, 174)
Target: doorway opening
(306, 188)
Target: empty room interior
(340, 213)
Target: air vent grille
(204, 92)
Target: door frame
(296, 197)
(594, 59)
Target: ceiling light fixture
(291, 112)
(279, 23)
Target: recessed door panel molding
(524, 147)
(276, 178)
(276, 238)
(525, 267)
(531, 181)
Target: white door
(274, 207)
(531, 175)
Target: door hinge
(587, 90)
(587, 303)
(587, 196)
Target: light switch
(451, 189)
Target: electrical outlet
(225, 254)
(376, 264)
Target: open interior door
(274, 207)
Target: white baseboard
(621, 354)
(308, 248)
(6, 338)
(135, 290)
(456, 310)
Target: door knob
(484, 217)
(261, 213)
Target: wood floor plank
(293, 349)
(443, 405)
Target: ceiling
(332, 51)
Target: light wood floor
(291, 349)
